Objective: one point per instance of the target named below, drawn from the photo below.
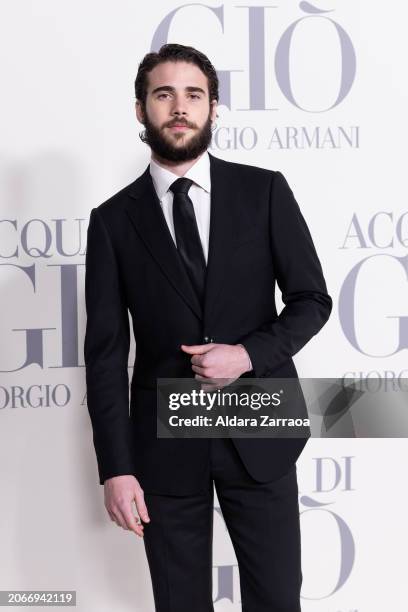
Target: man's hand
(214, 361)
(120, 492)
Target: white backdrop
(317, 91)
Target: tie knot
(181, 185)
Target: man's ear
(139, 112)
(214, 106)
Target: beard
(164, 148)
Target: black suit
(257, 236)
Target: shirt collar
(199, 173)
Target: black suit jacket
(258, 236)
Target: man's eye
(165, 95)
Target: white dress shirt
(199, 193)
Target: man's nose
(179, 106)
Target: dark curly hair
(173, 52)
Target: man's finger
(196, 349)
(199, 369)
(112, 516)
(128, 520)
(118, 518)
(206, 379)
(141, 506)
(132, 523)
(206, 387)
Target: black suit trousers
(262, 520)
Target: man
(193, 248)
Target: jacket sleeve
(300, 278)
(106, 352)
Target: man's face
(177, 114)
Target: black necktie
(187, 237)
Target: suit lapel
(226, 228)
(224, 231)
(148, 220)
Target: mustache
(180, 122)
